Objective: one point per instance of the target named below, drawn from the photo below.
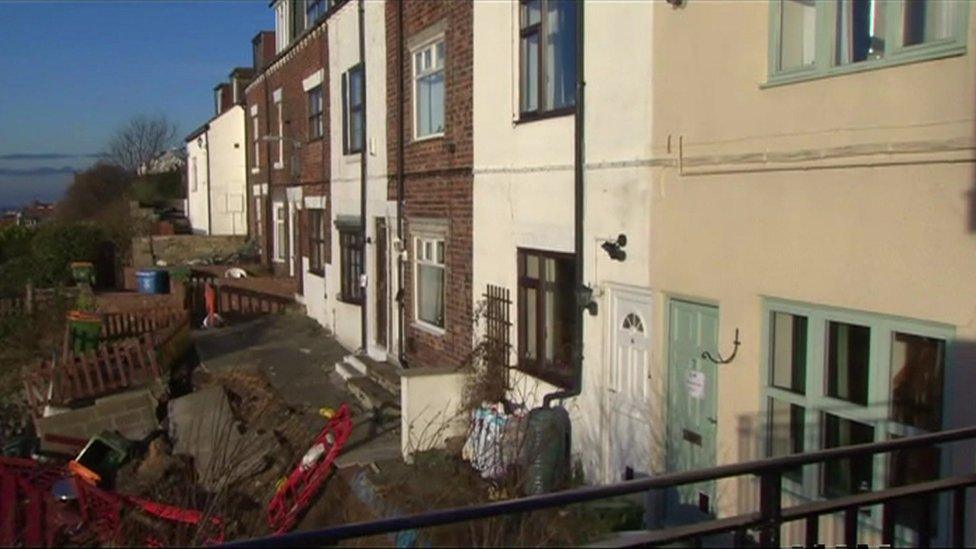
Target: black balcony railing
(767, 521)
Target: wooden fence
(35, 300)
(110, 368)
(231, 299)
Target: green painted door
(692, 414)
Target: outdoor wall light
(585, 294)
(614, 248)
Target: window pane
(789, 352)
(440, 252)
(531, 343)
(848, 352)
(860, 30)
(430, 104)
(560, 54)
(529, 87)
(797, 33)
(356, 131)
(916, 381)
(928, 20)
(356, 87)
(786, 431)
(532, 266)
(531, 13)
(846, 476)
(564, 318)
(418, 63)
(911, 467)
(439, 58)
(430, 294)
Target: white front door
(628, 386)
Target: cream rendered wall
(196, 200)
(523, 184)
(876, 237)
(227, 172)
(344, 318)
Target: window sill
(278, 165)
(349, 301)
(314, 139)
(428, 328)
(908, 56)
(526, 117)
(431, 137)
(255, 170)
(558, 380)
(315, 272)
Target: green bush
(159, 187)
(15, 242)
(56, 245)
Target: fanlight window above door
(633, 322)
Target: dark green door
(692, 390)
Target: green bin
(83, 272)
(84, 330)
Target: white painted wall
(523, 183)
(217, 204)
(197, 184)
(344, 318)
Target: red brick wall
(437, 173)
(304, 59)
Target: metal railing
(767, 521)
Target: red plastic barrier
(296, 492)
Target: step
(346, 372)
(372, 395)
(384, 373)
(356, 362)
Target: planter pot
(83, 272)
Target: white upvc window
(256, 142)
(282, 26)
(429, 270)
(193, 175)
(280, 231)
(428, 89)
(280, 163)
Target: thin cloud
(47, 156)
(43, 170)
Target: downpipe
(364, 306)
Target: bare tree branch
(140, 140)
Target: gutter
(583, 294)
(400, 186)
(362, 172)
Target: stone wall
(132, 414)
(178, 249)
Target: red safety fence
(297, 491)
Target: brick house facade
(437, 176)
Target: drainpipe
(582, 293)
(362, 168)
(209, 187)
(400, 185)
(268, 208)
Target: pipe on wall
(400, 186)
(581, 293)
(362, 175)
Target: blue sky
(72, 72)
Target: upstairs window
(315, 9)
(255, 142)
(428, 76)
(813, 38)
(547, 56)
(316, 126)
(353, 110)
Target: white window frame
(418, 73)
(193, 180)
(280, 163)
(420, 257)
(816, 402)
(256, 132)
(280, 227)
